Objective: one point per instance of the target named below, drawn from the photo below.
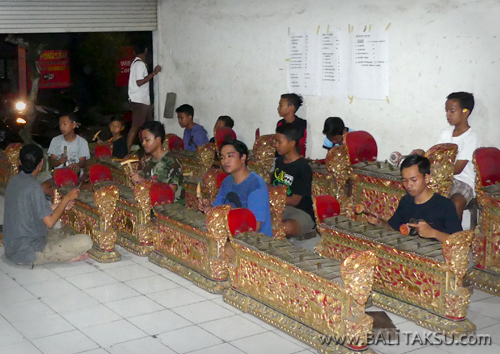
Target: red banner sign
(54, 69)
(126, 58)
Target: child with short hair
(334, 130)
(288, 106)
(459, 106)
(116, 126)
(222, 121)
(194, 134)
(159, 166)
(294, 171)
(68, 149)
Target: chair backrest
(161, 193)
(102, 151)
(361, 146)
(65, 177)
(325, 206)
(487, 164)
(222, 134)
(99, 173)
(173, 142)
(241, 220)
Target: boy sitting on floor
(194, 134)
(158, 165)
(294, 171)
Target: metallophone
(485, 274)
(9, 163)
(132, 217)
(191, 244)
(303, 294)
(92, 214)
(417, 278)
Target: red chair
(99, 173)
(221, 176)
(487, 163)
(102, 151)
(326, 206)
(222, 134)
(65, 177)
(241, 220)
(173, 142)
(160, 194)
(362, 147)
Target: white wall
(227, 57)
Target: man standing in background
(138, 92)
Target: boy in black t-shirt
(289, 105)
(293, 170)
(437, 214)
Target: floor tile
(35, 275)
(202, 312)
(481, 321)
(134, 306)
(108, 266)
(65, 343)
(224, 348)
(54, 287)
(291, 339)
(7, 281)
(152, 284)
(489, 307)
(21, 311)
(43, 326)
(13, 295)
(146, 345)
(231, 328)
(133, 271)
(90, 316)
(69, 302)
(478, 295)
(112, 292)
(176, 278)
(112, 333)
(220, 301)
(175, 297)
(23, 347)
(67, 269)
(91, 280)
(9, 335)
(471, 349)
(189, 339)
(95, 351)
(207, 295)
(258, 321)
(159, 322)
(266, 343)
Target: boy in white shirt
(459, 106)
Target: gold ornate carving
(105, 239)
(210, 183)
(218, 227)
(263, 156)
(12, 152)
(277, 200)
(146, 233)
(105, 199)
(206, 153)
(442, 158)
(142, 197)
(338, 164)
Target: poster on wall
(54, 69)
(339, 64)
(126, 57)
(370, 65)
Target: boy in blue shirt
(194, 134)
(242, 189)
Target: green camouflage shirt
(167, 170)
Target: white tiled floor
(133, 306)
